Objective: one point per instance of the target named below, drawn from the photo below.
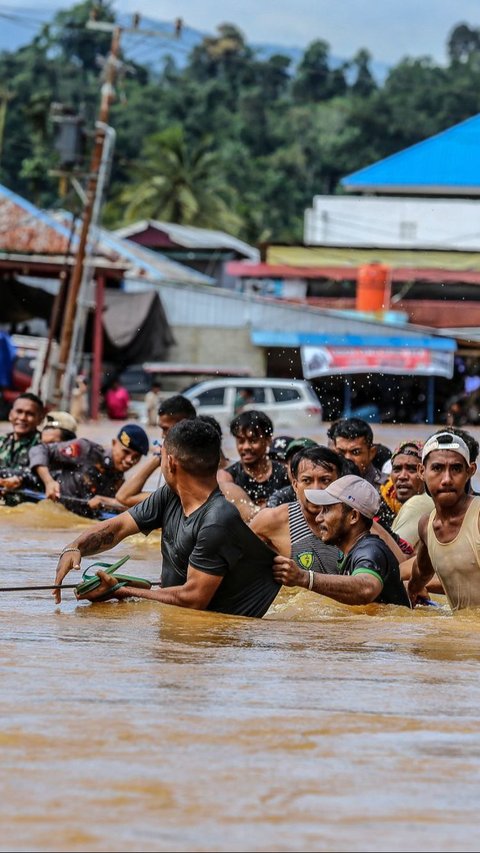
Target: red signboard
(331, 360)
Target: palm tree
(178, 183)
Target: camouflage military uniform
(83, 469)
(14, 462)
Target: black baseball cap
(278, 447)
(134, 437)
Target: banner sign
(413, 361)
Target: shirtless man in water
(450, 536)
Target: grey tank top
(308, 551)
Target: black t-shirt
(215, 540)
(373, 556)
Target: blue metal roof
(447, 163)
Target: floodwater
(141, 727)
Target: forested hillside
(231, 140)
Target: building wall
(414, 223)
(208, 345)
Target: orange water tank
(373, 288)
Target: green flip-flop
(92, 581)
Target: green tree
(364, 83)
(462, 42)
(314, 80)
(177, 182)
(74, 41)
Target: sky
(389, 29)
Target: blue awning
(273, 338)
(330, 355)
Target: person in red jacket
(117, 400)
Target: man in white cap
(368, 571)
(450, 536)
(58, 426)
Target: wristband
(310, 579)
(66, 550)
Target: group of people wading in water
(291, 512)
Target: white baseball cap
(351, 490)
(60, 420)
(446, 441)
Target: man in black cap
(85, 476)
(287, 494)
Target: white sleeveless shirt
(457, 563)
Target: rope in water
(92, 581)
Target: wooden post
(97, 348)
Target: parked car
(292, 404)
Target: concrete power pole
(107, 92)
(103, 135)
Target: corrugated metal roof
(317, 256)
(153, 265)
(26, 228)
(190, 237)
(139, 261)
(242, 269)
(204, 306)
(448, 162)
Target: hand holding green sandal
(91, 582)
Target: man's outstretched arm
(100, 537)
(358, 589)
(196, 593)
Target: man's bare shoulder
(270, 518)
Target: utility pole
(107, 93)
(92, 203)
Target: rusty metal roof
(27, 231)
(25, 228)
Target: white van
(292, 404)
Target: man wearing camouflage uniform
(25, 417)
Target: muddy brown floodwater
(142, 727)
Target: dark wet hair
(196, 445)
(34, 398)
(320, 455)
(350, 428)
(209, 419)
(382, 455)
(177, 406)
(258, 423)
